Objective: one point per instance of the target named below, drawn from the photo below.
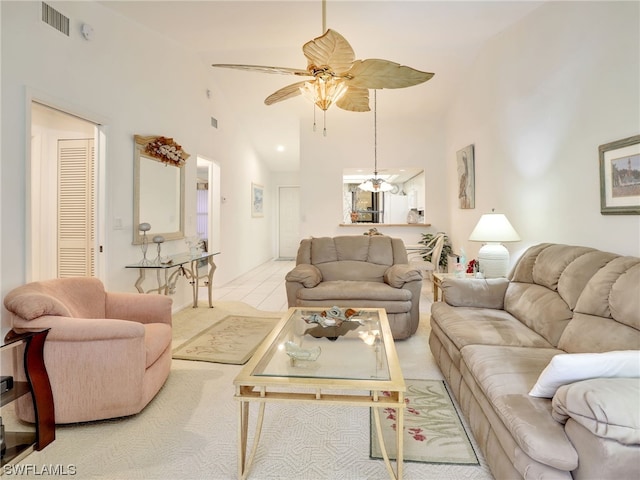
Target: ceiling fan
(336, 77)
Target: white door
(76, 208)
(288, 222)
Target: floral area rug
(232, 340)
(433, 431)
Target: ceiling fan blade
(355, 99)
(331, 49)
(375, 73)
(284, 93)
(264, 69)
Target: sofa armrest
(143, 308)
(73, 329)
(399, 274)
(306, 274)
(475, 292)
(606, 407)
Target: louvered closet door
(76, 208)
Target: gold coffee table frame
(255, 384)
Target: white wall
(540, 99)
(537, 103)
(412, 142)
(135, 82)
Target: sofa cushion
(483, 326)
(589, 333)
(378, 249)
(552, 262)
(609, 292)
(67, 297)
(457, 327)
(323, 250)
(568, 368)
(347, 290)
(475, 292)
(352, 270)
(578, 273)
(505, 375)
(307, 274)
(539, 308)
(607, 407)
(34, 305)
(399, 274)
(352, 247)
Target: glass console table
(185, 265)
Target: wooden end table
(30, 379)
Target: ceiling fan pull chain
(314, 117)
(324, 123)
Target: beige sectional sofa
(495, 339)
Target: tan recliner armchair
(358, 271)
(107, 353)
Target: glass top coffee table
(310, 359)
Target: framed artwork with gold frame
(620, 177)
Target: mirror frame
(163, 150)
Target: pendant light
(375, 184)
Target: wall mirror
(159, 187)
(392, 207)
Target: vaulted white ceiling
(443, 37)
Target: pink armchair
(107, 353)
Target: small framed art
(620, 177)
(466, 178)
(257, 200)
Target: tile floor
(263, 288)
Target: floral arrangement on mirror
(167, 151)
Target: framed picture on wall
(466, 178)
(620, 177)
(257, 200)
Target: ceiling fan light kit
(324, 93)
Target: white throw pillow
(572, 367)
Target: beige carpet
(189, 431)
(232, 340)
(433, 431)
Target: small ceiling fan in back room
(336, 76)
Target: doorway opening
(208, 203)
(62, 195)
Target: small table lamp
(493, 257)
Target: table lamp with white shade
(493, 257)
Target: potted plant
(446, 249)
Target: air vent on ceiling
(54, 18)
(214, 122)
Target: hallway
(263, 288)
